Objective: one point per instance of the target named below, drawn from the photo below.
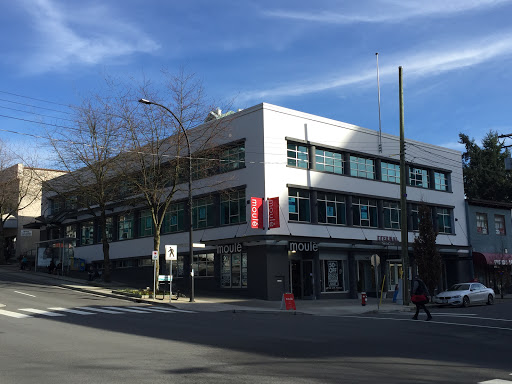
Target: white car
(465, 294)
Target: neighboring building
(338, 203)
(490, 236)
(25, 189)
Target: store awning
(486, 258)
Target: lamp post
(190, 227)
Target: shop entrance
(394, 273)
(301, 279)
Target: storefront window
(87, 233)
(110, 230)
(203, 265)
(145, 223)
(125, 227)
(174, 218)
(234, 270)
(333, 275)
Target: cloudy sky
(316, 57)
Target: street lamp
(190, 227)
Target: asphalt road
(107, 343)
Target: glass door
(394, 273)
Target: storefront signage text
(303, 246)
(387, 239)
(256, 212)
(229, 248)
(273, 212)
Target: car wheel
(465, 301)
(490, 300)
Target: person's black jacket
(419, 287)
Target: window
(415, 214)
(298, 155)
(202, 213)
(331, 208)
(71, 230)
(204, 167)
(444, 220)
(174, 218)
(362, 167)
(418, 177)
(333, 275)
(391, 215)
(481, 223)
(203, 265)
(234, 270)
(145, 223)
(110, 230)
(499, 225)
(87, 233)
(364, 212)
(178, 267)
(56, 206)
(390, 172)
(232, 208)
(440, 181)
(298, 205)
(125, 227)
(71, 203)
(329, 161)
(233, 158)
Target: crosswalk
(23, 313)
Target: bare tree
(19, 189)
(158, 165)
(89, 153)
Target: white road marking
(430, 322)
(163, 309)
(101, 310)
(21, 293)
(71, 311)
(14, 314)
(472, 316)
(124, 309)
(41, 312)
(495, 381)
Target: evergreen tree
(425, 251)
(484, 167)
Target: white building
(339, 204)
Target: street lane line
(429, 322)
(469, 317)
(495, 381)
(13, 314)
(101, 310)
(21, 293)
(41, 312)
(71, 311)
(168, 310)
(124, 309)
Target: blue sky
(316, 57)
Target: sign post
(154, 257)
(171, 253)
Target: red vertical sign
(273, 212)
(256, 212)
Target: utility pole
(403, 195)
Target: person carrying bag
(420, 297)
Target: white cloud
(388, 11)
(79, 36)
(415, 65)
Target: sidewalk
(325, 307)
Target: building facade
(330, 199)
(490, 237)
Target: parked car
(465, 294)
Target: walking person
(419, 296)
